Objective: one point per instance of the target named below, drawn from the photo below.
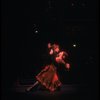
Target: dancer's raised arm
(61, 59)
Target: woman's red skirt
(48, 77)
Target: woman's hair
(54, 46)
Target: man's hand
(49, 45)
(67, 66)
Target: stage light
(72, 4)
(74, 45)
(36, 31)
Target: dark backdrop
(27, 27)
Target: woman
(48, 76)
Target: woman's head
(56, 48)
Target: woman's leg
(32, 86)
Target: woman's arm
(51, 52)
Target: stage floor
(67, 92)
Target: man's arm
(67, 65)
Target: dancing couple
(48, 77)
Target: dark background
(27, 27)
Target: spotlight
(36, 31)
(74, 45)
(72, 4)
